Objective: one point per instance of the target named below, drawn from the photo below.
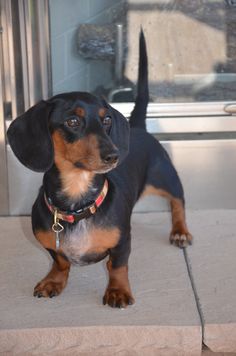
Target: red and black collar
(83, 213)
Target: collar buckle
(93, 208)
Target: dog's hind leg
(164, 181)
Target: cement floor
(181, 295)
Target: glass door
(191, 51)
(192, 74)
(192, 63)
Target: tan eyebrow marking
(102, 112)
(80, 112)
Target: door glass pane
(191, 48)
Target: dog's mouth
(105, 168)
(98, 168)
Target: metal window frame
(198, 117)
(4, 192)
(35, 42)
(164, 118)
(29, 41)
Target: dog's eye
(73, 121)
(107, 121)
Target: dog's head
(76, 127)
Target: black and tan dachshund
(96, 167)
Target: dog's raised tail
(138, 115)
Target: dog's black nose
(111, 158)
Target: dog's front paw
(181, 239)
(117, 298)
(48, 289)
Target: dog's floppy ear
(119, 133)
(30, 139)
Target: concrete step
(163, 321)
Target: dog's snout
(111, 158)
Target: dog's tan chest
(88, 240)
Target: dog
(96, 165)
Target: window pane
(191, 48)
